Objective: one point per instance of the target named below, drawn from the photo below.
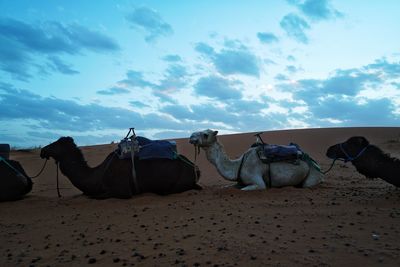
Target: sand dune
(346, 221)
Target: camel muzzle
(193, 141)
(44, 154)
(331, 152)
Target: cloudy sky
(92, 69)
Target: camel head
(203, 138)
(57, 149)
(348, 150)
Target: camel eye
(205, 135)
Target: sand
(346, 221)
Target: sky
(92, 69)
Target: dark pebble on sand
(115, 260)
(92, 260)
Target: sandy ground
(346, 221)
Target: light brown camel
(251, 170)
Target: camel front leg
(257, 185)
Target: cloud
(317, 9)
(172, 58)
(67, 115)
(56, 64)
(242, 106)
(138, 104)
(267, 37)
(201, 113)
(21, 43)
(179, 112)
(217, 88)
(135, 79)
(374, 112)
(384, 68)
(291, 58)
(292, 69)
(205, 49)
(236, 62)
(295, 27)
(150, 22)
(341, 98)
(175, 79)
(88, 39)
(234, 59)
(113, 91)
(342, 83)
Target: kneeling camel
(250, 171)
(368, 159)
(113, 177)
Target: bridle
(347, 158)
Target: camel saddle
(274, 153)
(145, 148)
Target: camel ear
(215, 133)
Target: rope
(40, 172)
(18, 172)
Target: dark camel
(14, 183)
(368, 159)
(113, 177)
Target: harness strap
(238, 178)
(134, 178)
(350, 158)
(58, 186)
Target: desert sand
(346, 221)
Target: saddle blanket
(273, 153)
(156, 149)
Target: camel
(14, 183)
(249, 171)
(113, 177)
(368, 159)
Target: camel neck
(81, 175)
(376, 164)
(226, 167)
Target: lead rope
(40, 172)
(333, 163)
(19, 173)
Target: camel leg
(257, 185)
(313, 178)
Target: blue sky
(92, 69)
